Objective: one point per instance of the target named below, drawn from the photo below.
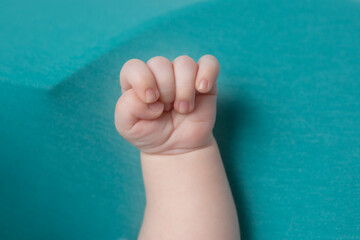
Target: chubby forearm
(188, 197)
(168, 110)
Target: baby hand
(168, 108)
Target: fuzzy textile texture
(288, 121)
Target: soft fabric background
(288, 113)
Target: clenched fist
(168, 107)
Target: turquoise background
(288, 120)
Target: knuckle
(209, 56)
(133, 62)
(210, 59)
(130, 64)
(184, 60)
(158, 62)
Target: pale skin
(167, 110)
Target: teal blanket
(288, 121)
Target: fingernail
(203, 85)
(183, 106)
(156, 107)
(150, 95)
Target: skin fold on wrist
(178, 152)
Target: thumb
(130, 109)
